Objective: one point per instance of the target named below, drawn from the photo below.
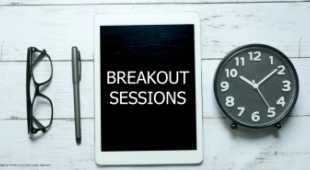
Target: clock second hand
(256, 87)
(263, 98)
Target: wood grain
(224, 148)
(223, 27)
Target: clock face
(256, 86)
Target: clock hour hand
(269, 75)
(247, 81)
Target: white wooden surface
(109, 2)
(59, 25)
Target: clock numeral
(241, 59)
(281, 101)
(271, 60)
(272, 111)
(255, 116)
(281, 72)
(230, 101)
(224, 85)
(287, 85)
(256, 58)
(241, 110)
(233, 73)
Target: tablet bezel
(147, 157)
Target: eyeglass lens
(42, 111)
(41, 67)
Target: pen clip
(80, 65)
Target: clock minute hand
(269, 75)
(247, 81)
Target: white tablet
(148, 99)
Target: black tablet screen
(148, 88)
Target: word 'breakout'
(153, 78)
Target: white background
(58, 25)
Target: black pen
(76, 78)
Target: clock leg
(234, 126)
(278, 125)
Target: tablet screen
(147, 88)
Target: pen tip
(78, 140)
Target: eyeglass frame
(29, 75)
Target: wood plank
(60, 91)
(108, 2)
(224, 148)
(224, 27)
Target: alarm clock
(256, 86)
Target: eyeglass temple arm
(39, 58)
(37, 123)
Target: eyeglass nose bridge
(37, 91)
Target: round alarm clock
(256, 86)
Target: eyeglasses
(39, 106)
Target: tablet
(147, 88)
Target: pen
(76, 78)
